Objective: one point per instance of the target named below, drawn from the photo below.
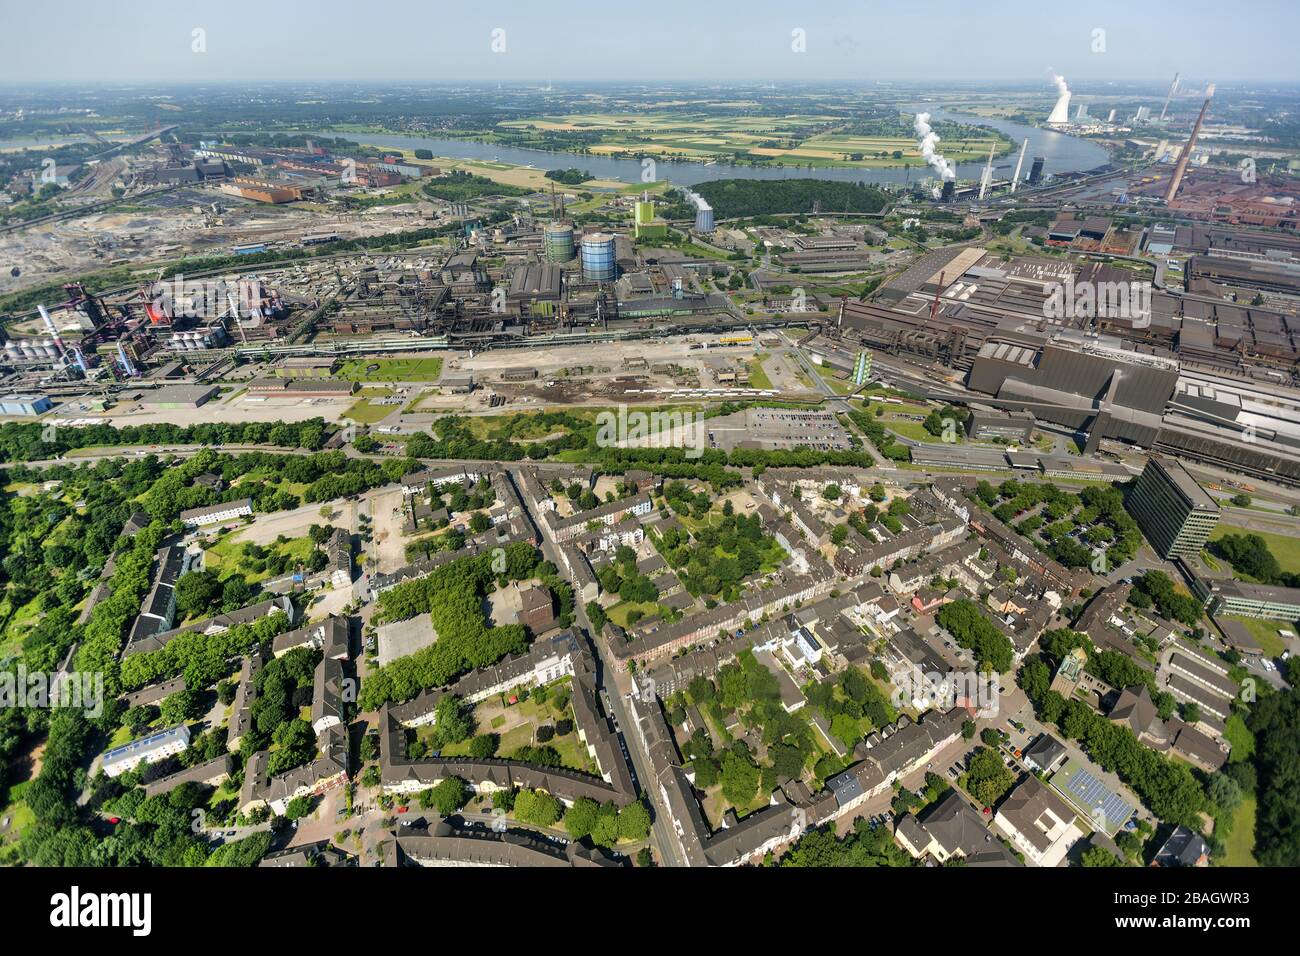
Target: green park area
(542, 717)
(807, 140)
(391, 370)
(1285, 549)
(15, 817)
(254, 562)
(367, 410)
(1241, 840)
(1266, 633)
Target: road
(606, 671)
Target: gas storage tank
(598, 257)
(558, 241)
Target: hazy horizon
(150, 42)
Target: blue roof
(144, 744)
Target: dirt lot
(295, 523)
(389, 547)
(239, 408)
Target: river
(1061, 153)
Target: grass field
(618, 613)
(1266, 633)
(392, 370)
(19, 815)
(1286, 550)
(367, 412)
(229, 556)
(838, 385)
(1241, 841)
(758, 378)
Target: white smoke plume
(1061, 111)
(929, 139)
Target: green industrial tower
(862, 368)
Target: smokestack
(934, 306)
(949, 190)
(1015, 178)
(234, 315)
(1169, 96)
(1186, 156)
(49, 327)
(1061, 111)
(987, 176)
(122, 358)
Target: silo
(559, 242)
(598, 257)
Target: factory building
(304, 387)
(178, 396)
(986, 423)
(1175, 513)
(24, 404)
(535, 289)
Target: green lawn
(913, 430)
(367, 412)
(20, 815)
(838, 385)
(618, 612)
(230, 556)
(1241, 841)
(392, 370)
(1266, 633)
(1285, 549)
(758, 378)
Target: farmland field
(792, 140)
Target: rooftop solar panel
(1089, 794)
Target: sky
(531, 41)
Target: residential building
(216, 514)
(1185, 847)
(157, 746)
(1038, 822)
(951, 828)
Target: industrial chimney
(1169, 96)
(1186, 156)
